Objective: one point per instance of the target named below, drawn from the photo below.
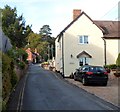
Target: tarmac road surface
(44, 90)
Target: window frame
(83, 39)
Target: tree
(14, 26)
(34, 42)
(45, 31)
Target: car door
(84, 70)
(81, 72)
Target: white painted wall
(113, 49)
(58, 55)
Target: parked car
(91, 74)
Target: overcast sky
(58, 13)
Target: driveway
(110, 93)
(44, 90)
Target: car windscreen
(97, 69)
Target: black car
(91, 74)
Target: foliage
(9, 78)
(45, 31)
(118, 60)
(4, 106)
(18, 54)
(14, 78)
(14, 26)
(21, 65)
(45, 63)
(111, 66)
(6, 75)
(35, 42)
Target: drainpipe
(62, 54)
(104, 51)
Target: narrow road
(44, 90)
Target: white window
(83, 39)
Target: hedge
(9, 78)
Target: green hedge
(9, 78)
(112, 66)
(6, 75)
(21, 65)
(18, 55)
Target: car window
(85, 69)
(97, 69)
(80, 68)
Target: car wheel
(84, 82)
(75, 78)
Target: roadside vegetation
(115, 67)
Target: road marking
(21, 95)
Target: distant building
(30, 55)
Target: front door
(83, 61)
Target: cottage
(85, 41)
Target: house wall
(83, 26)
(113, 49)
(58, 55)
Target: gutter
(105, 58)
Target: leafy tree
(14, 26)
(45, 31)
(35, 42)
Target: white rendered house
(85, 41)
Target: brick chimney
(76, 13)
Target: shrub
(21, 65)
(118, 61)
(9, 78)
(112, 66)
(18, 54)
(6, 76)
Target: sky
(59, 13)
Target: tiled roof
(84, 53)
(110, 28)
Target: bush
(9, 78)
(118, 61)
(112, 66)
(6, 75)
(21, 65)
(18, 54)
